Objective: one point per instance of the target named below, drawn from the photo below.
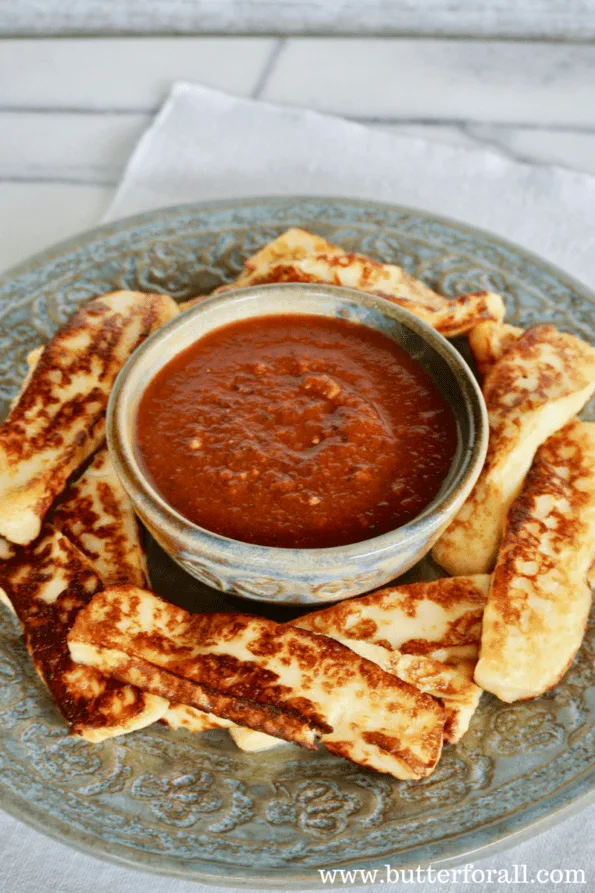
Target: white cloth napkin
(207, 145)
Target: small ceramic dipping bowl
(298, 576)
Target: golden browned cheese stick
(539, 384)
(97, 516)
(435, 626)
(300, 256)
(451, 317)
(59, 419)
(299, 253)
(47, 584)
(268, 676)
(539, 599)
(439, 619)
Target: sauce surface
(295, 431)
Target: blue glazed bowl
(298, 576)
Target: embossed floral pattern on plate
(195, 806)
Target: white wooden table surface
(551, 19)
(72, 109)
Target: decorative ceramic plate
(193, 805)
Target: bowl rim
(172, 522)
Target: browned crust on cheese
(40, 419)
(536, 386)
(370, 274)
(448, 685)
(464, 312)
(524, 529)
(15, 437)
(501, 388)
(221, 684)
(539, 599)
(465, 630)
(322, 663)
(390, 744)
(180, 716)
(337, 619)
(450, 317)
(294, 243)
(572, 370)
(97, 516)
(87, 699)
(300, 256)
(282, 722)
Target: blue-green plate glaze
(194, 806)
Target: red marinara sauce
(296, 431)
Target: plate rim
(112, 228)
(273, 878)
(89, 844)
